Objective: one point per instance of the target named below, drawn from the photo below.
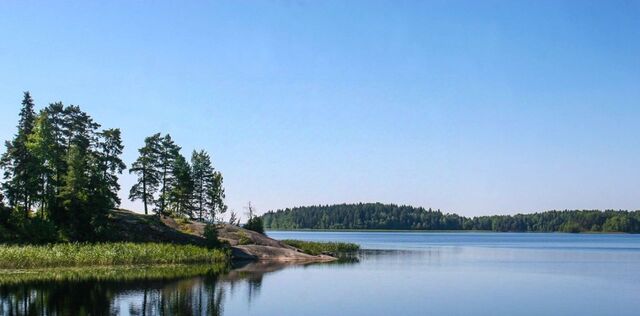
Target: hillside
(390, 216)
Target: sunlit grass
(105, 254)
(317, 248)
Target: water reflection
(173, 290)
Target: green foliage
(215, 195)
(111, 273)
(18, 162)
(145, 167)
(186, 189)
(211, 235)
(390, 216)
(255, 224)
(181, 191)
(167, 155)
(316, 248)
(39, 231)
(79, 254)
(622, 223)
(63, 168)
(14, 228)
(208, 195)
(244, 239)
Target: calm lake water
(396, 273)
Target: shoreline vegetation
(322, 248)
(106, 254)
(391, 217)
(110, 273)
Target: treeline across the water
(402, 217)
(60, 177)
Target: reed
(316, 248)
(105, 254)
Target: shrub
(211, 235)
(255, 224)
(244, 239)
(39, 231)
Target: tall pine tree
(168, 153)
(216, 195)
(202, 174)
(146, 167)
(181, 187)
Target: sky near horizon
(473, 107)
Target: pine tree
(166, 158)
(21, 184)
(110, 165)
(78, 128)
(146, 167)
(55, 114)
(181, 187)
(202, 178)
(215, 195)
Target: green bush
(255, 224)
(15, 228)
(211, 235)
(244, 239)
(39, 231)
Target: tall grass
(316, 248)
(105, 254)
(110, 273)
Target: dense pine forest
(390, 216)
(60, 177)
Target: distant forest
(390, 216)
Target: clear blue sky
(474, 107)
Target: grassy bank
(316, 248)
(105, 254)
(110, 273)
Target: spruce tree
(146, 167)
(20, 184)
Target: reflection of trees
(185, 290)
(55, 299)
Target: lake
(395, 273)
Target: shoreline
(267, 230)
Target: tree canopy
(61, 171)
(391, 216)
